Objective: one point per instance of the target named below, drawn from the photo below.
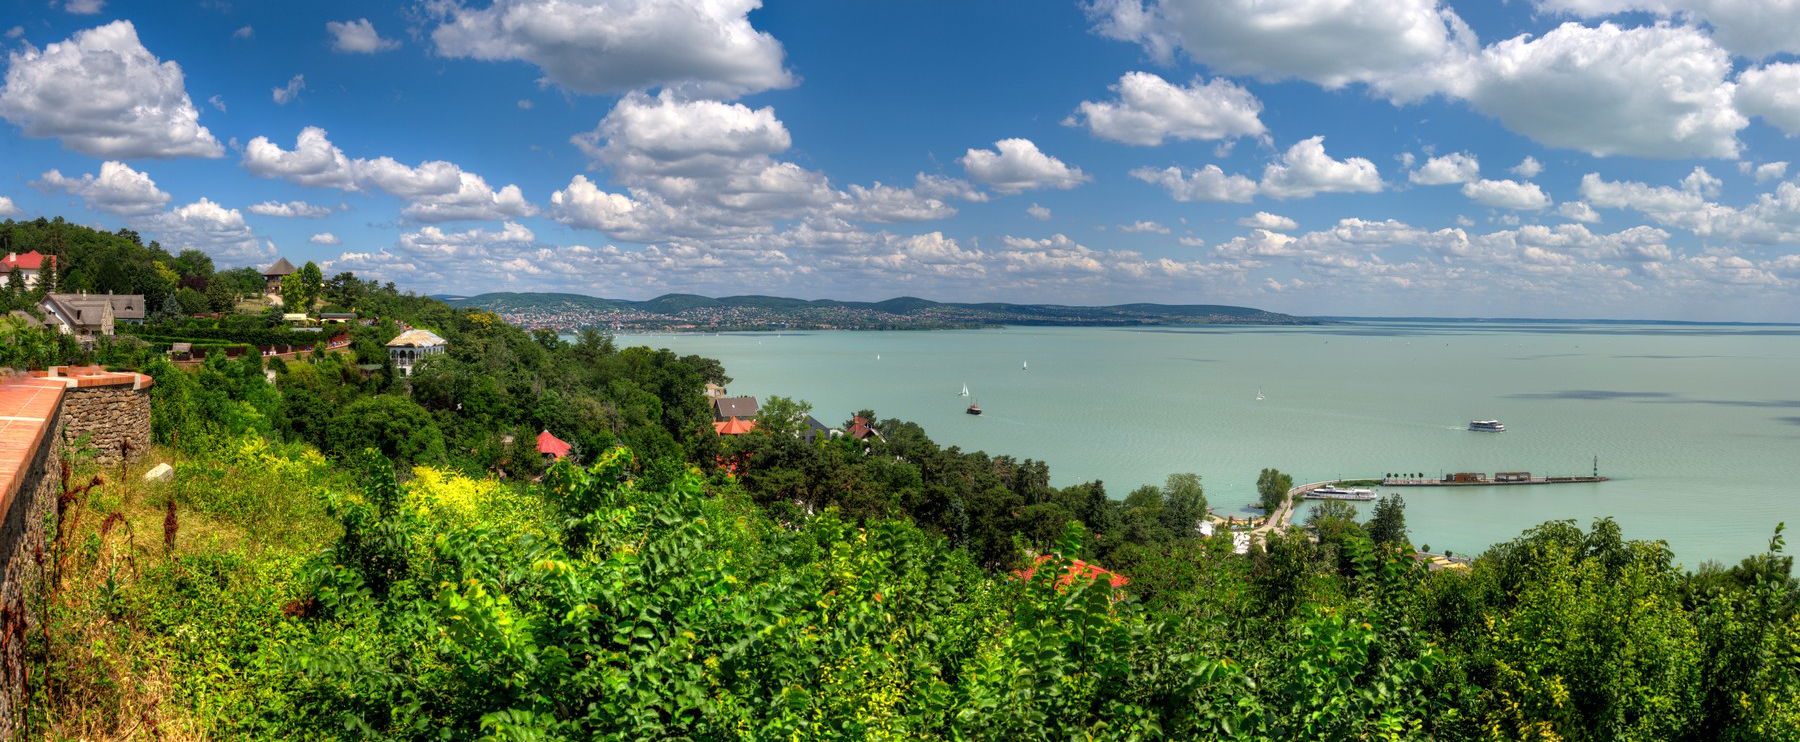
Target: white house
(413, 346)
(31, 266)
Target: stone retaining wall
(114, 419)
(41, 417)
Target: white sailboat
(1025, 366)
(1259, 394)
(965, 391)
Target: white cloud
(435, 190)
(1016, 165)
(209, 227)
(290, 210)
(1150, 110)
(217, 103)
(103, 94)
(1305, 170)
(1191, 242)
(1771, 171)
(1268, 221)
(1143, 226)
(244, 32)
(1507, 194)
(357, 37)
(1752, 28)
(84, 7)
(290, 91)
(1773, 217)
(325, 238)
(15, 32)
(1772, 92)
(614, 46)
(1037, 212)
(1527, 168)
(1578, 211)
(525, 104)
(1329, 42)
(1457, 167)
(1651, 91)
(1206, 184)
(118, 189)
(940, 186)
(7, 209)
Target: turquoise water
(1698, 426)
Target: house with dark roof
(87, 316)
(273, 274)
(812, 430)
(32, 267)
(734, 408)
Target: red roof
(860, 428)
(550, 444)
(734, 426)
(30, 261)
(1077, 568)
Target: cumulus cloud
(325, 238)
(1037, 212)
(1506, 194)
(1208, 183)
(290, 91)
(208, 227)
(1772, 92)
(1016, 165)
(1651, 91)
(1305, 170)
(1773, 217)
(1267, 221)
(1751, 28)
(118, 189)
(83, 7)
(244, 32)
(289, 210)
(612, 46)
(1578, 211)
(1329, 42)
(1770, 171)
(1150, 109)
(1527, 168)
(1458, 167)
(7, 209)
(357, 37)
(435, 190)
(1143, 226)
(101, 93)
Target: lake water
(1699, 426)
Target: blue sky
(1617, 158)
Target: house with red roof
(32, 267)
(552, 447)
(1078, 570)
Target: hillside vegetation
(348, 554)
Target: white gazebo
(413, 346)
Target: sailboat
(877, 356)
(1025, 366)
(1259, 394)
(965, 391)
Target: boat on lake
(974, 408)
(965, 391)
(1259, 394)
(1340, 493)
(1025, 366)
(1487, 426)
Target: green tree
(193, 263)
(1271, 488)
(1184, 505)
(312, 282)
(394, 425)
(220, 296)
(293, 294)
(191, 301)
(1388, 524)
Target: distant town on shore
(693, 313)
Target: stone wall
(110, 416)
(42, 417)
(24, 552)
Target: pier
(1482, 480)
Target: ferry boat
(1487, 426)
(1340, 493)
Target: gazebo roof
(552, 445)
(281, 268)
(735, 426)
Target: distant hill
(691, 311)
